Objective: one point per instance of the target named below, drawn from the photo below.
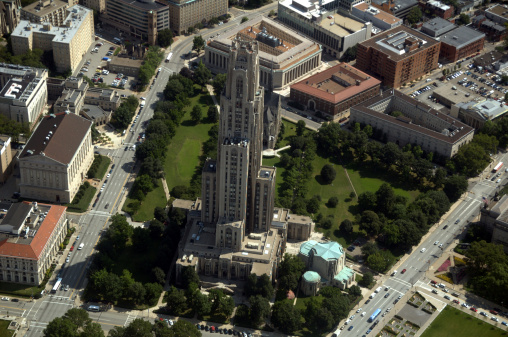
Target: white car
(435, 243)
(364, 313)
(142, 98)
(67, 260)
(423, 250)
(5, 298)
(109, 175)
(494, 318)
(441, 245)
(347, 322)
(357, 311)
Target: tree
(385, 199)
(367, 201)
(328, 174)
(244, 19)
(346, 226)
(455, 186)
(300, 127)
(377, 262)
(464, 19)
(218, 83)
(350, 54)
(176, 301)
(92, 330)
(137, 292)
(212, 114)
(202, 75)
(415, 15)
(198, 43)
(190, 30)
(196, 114)
(159, 275)
(286, 317)
(369, 248)
(370, 223)
(60, 327)
(355, 291)
(182, 328)
(77, 316)
(201, 304)
(189, 276)
(333, 202)
(367, 279)
(165, 37)
(259, 309)
(152, 293)
(139, 328)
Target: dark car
(387, 294)
(403, 271)
(445, 227)
(14, 300)
(494, 312)
(207, 327)
(350, 328)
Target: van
(95, 308)
(372, 295)
(336, 333)
(378, 289)
(81, 246)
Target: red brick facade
(452, 54)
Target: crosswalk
(130, 317)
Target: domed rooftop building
(310, 283)
(327, 259)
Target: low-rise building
(399, 8)
(294, 227)
(9, 15)
(379, 18)
(476, 112)
(439, 9)
(95, 114)
(30, 238)
(143, 19)
(334, 31)
(46, 11)
(334, 90)
(437, 27)
(124, 65)
(461, 43)
(69, 42)
(5, 158)
(284, 55)
(464, 6)
(187, 13)
(398, 56)
(449, 95)
(418, 123)
(23, 96)
(73, 96)
(497, 13)
(493, 30)
(56, 158)
(107, 99)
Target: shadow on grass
(368, 170)
(205, 100)
(188, 122)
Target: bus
(374, 315)
(57, 285)
(169, 57)
(498, 166)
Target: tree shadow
(188, 122)
(205, 100)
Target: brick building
(398, 56)
(493, 30)
(439, 9)
(335, 90)
(460, 43)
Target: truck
(498, 167)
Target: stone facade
(47, 11)
(188, 13)
(5, 158)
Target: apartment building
(334, 90)
(461, 43)
(24, 95)
(398, 56)
(73, 96)
(497, 13)
(69, 42)
(334, 31)
(284, 55)
(9, 15)
(97, 5)
(381, 20)
(138, 18)
(188, 13)
(419, 124)
(5, 158)
(30, 236)
(47, 11)
(439, 9)
(494, 31)
(56, 158)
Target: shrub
(333, 202)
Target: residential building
(439, 9)
(56, 158)
(494, 31)
(461, 43)
(399, 8)
(97, 5)
(326, 265)
(419, 124)
(476, 112)
(23, 96)
(73, 96)
(142, 19)
(437, 27)
(5, 158)
(380, 19)
(107, 99)
(494, 217)
(232, 235)
(30, 238)
(68, 42)
(188, 13)
(284, 55)
(497, 13)
(125, 65)
(464, 6)
(334, 90)
(9, 15)
(334, 31)
(398, 56)
(46, 11)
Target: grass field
(155, 198)
(3, 329)
(18, 289)
(453, 322)
(103, 167)
(182, 158)
(84, 202)
(363, 178)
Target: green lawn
(3, 329)
(155, 198)
(363, 178)
(84, 202)
(103, 167)
(19, 290)
(182, 158)
(453, 322)
(301, 302)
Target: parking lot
(93, 61)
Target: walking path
(274, 153)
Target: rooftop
(16, 87)
(499, 10)
(306, 8)
(144, 5)
(337, 83)
(341, 25)
(455, 96)
(486, 108)
(330, 250)
(57, 137)
(377, 13)
(93, 112)
(402, 4)
(25, 230)
(125, 61)
(437, 26)
(461, 37)
(42, 8)
(64, 34)
(311, 277)
(400, 42)
(488, 58)
(438, 4)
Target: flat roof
(499, 10)
(125, 61)
(455, 96)
(486, 108)
(377, 13)
(438, 26)
(402, 3)
(341, 25)
(145, 5)
(306, 8)
(439, 5)
(392, 42)
(461, 37)
(39, 9)
(337, 83)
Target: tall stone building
(234, 237)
